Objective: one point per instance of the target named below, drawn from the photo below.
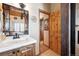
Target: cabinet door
(8, 53)
(4, 54)
(18, 52)
(28, 50)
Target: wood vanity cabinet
(22, 51)
(28, 50)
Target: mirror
(15, 20)
(0, 22)
(0, 18)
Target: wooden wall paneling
(65, 29)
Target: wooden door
(55, 32)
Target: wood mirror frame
(11, 10)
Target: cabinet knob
(13, 52)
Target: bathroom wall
(33, 9)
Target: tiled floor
(49, 52)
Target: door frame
(45, 12)
(72, 40)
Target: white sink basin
(13, 41)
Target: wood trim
(14, 7)
(43, 11)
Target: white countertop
(10, 44)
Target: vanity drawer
(27, 47)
